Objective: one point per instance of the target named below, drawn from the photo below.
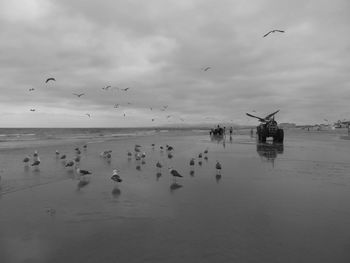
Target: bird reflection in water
(138, 167)
(175, 186)
(218, 177)
(116, 191)
(83, 181)
(192, 172)
(269, 151)
(158, 175)
(218, 140)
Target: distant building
(287, 125)
(341, 124)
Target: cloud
(158, 49)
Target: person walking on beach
(231, 130)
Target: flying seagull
(78, 95)
(273, 31)
(107, 87)
(88, 114)
(32, 109)
(206, 68)
(47, 80)
(116, 105)
(31, 89)
(126, 89)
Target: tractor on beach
(268, 128)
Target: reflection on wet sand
(175, 186)
(116, 192)
(158, 175)
(218, 177)
(83, 181)
(269, 151)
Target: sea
(27, 137)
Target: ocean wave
(17, 134)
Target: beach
(271, 203)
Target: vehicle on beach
(268, 128)
(217, 132)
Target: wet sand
(271, 203)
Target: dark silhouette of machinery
(268, 128)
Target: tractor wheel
(279, 137)
(262, 135)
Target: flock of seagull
(116, 106)
(74, 164)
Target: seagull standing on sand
(115, 176)
(77, 159)
(159, 166)
(69, 164)
(36, 155)
(273, 31)
(174, 173)
(36, 162)
(77, 151)
(218, 167)
(169, 148)
(26, 160)
(137, 157)
(192, 162)
(82, 172)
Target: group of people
(220, 131)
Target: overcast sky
(159, 47)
